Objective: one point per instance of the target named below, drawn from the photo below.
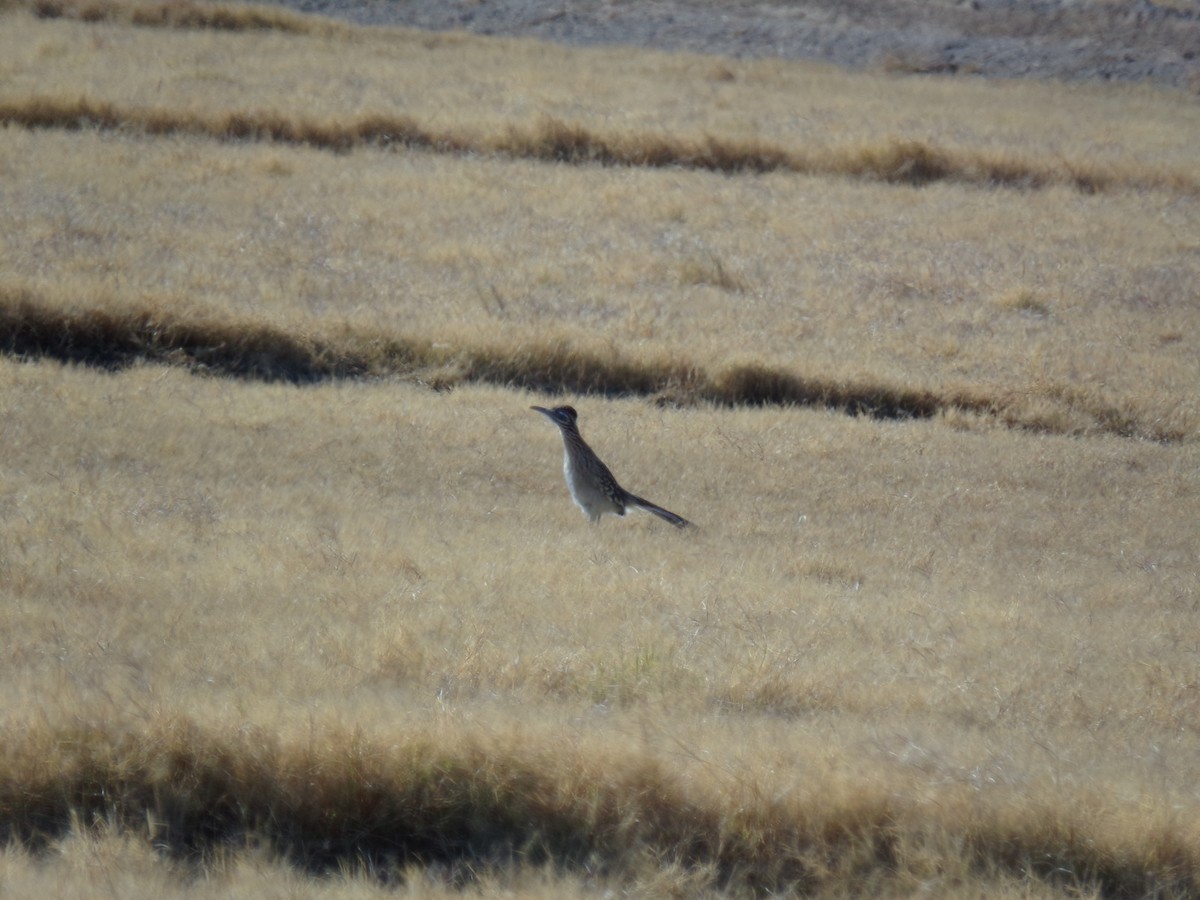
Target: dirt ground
(1117, 40)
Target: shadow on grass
(470, 809)
(361, 808)
(109, 337)
(113, 340)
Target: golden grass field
(294, 601)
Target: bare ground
(1095, 40)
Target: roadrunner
(592, 485)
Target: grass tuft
(903, 162)
(707, 268)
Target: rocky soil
(1105, 40)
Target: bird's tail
(664, 514)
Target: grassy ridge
(764, 289)
(348, 802)
(111, 337)
(891, 160)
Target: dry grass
(924, 655)
(111, 336)
(888, 159)
(668, 279)
(618, 105)
(319, 620)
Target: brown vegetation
(472, 807)
(109, 337)
(895, 161)
(890, 655)
(308, 617)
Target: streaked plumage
(593, 487)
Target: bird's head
(562, 416)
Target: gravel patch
(1089, 40)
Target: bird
(593, 487)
